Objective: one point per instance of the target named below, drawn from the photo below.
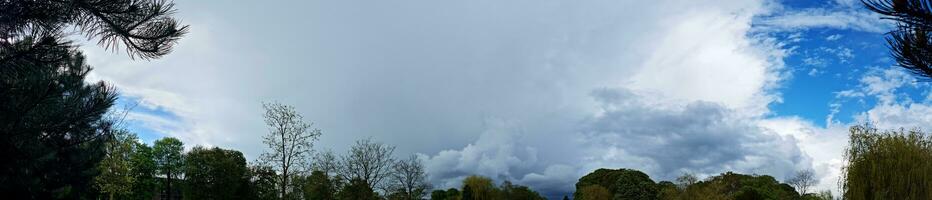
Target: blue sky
(535, 92)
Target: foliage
(593, 192)
(732, 186)
(622, 183)
(823, 195)
(449, 194)
(143, 171)
(887, 165)
(290, 141)
(52, 129)
(478, 188)
(910, 42)
(215, 174)
(518, 192)
(357, 189)
(319, 187)
(169, 160)
(262, 185)
(115, 178)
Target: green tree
(478, 188)
(215, 173)
(143, 171)
(449, 194)
(518, 192)
(622, 183)
(169, 160)
(115, 178)
(319, 187)
(51, 124)
(910, 43)
(52, 129)
(357, 189)
(891, 164)
(593, 192)
(263, 184)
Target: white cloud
(845, 18)
(834, 37)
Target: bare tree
(802, 181)
(368, 161)
(409, 178)
(290, 141)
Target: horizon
(536, 93)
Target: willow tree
(894, 164)
(290, 141)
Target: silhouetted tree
(290, 141)
(52, 130)
(368, 161)
(263, 183)
(910, 42)
(170, 159)
(357, 189)
(518, 192)
(802, 181)
(319, 187)
(449, 194)
(51, 126)
(887, 164)
(409, 179)
(215, 174)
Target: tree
(52, 130)
(593, 192)
(370, 162)
(319, 187)
(143, 170)
(449, 194)
(51, 124)
(263, 183)
(169, 161)
(802, 181)
(115, 178)
(290, 141)
(410, 179)
(357, 189)
(215, 173)
(623, 183)
(478, 188)
(144, 27)
(910, 43)
(518, 192)
(892, 164)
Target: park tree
(319, 187)
(169, 159)
(215, 173)
(263, 181)
(893, 164)
(409, 179)
(518, 192)
(910, 42)
(116, 178)
(290, 143)
(369, 162)
(143, 169)
(802, 181)
(622, 183)
(51, 124)
(478, 188)
(449, 194)
(357, 189)
(593, 192)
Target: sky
(536, 92)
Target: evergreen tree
(910, 42)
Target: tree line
(58, 141)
